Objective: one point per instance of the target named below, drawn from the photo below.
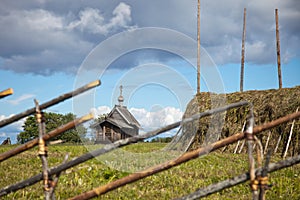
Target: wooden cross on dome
(121, 98)
(121, 90)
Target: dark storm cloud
(44, 37)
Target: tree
(99, 119)
(53, 121)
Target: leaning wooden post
(290, 138)
(277, 144)
(43, 149)
(267, 142)
(250, 140)
(243, 53)
(259, 151)
(263, 179)
(242, 146)
(237, 146)
(278, 49)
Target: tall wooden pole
(278, 49)
(243, 53)
(198, 49)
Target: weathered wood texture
(278, 49)
(110, 147)
(6, 92)
(198, 48)
(43, 151)
(243, 53)
(50, 103)
(51, 134)
(211, 189)
(184, 158)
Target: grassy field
(175, 182)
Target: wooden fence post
(250, 141)
(43, 151)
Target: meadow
(176, 182)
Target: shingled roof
(120, 117)
(122, 111)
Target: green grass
(178, 181)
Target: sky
(52, 47)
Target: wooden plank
(6, 92)
(32, 143)
(182, 159)
(50, 103)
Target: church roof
(122, 111)
(118, 123)
(120, 116)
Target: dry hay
(268, 105)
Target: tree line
(52, 121)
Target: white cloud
(16, 126)
(3, 135)
(122, 16)
(92, 21)
(100, 111)
(151, 120)
(21, 99)
(11, 130)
